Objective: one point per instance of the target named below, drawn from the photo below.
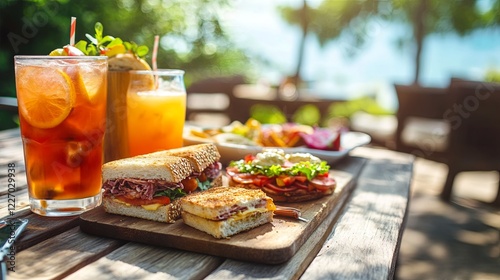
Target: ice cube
(76, 151)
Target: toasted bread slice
(200, 156)
(229, 227)
(221, 202)
(166, 213)
(169, 168)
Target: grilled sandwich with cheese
(226, 211)
(149, 186)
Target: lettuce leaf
(308, 169)
(172, 193)
(203, 186)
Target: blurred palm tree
(349, 18)
(427, 17)
(329, 21)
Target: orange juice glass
(62, 111)
(156, 109)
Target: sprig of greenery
(109, 45)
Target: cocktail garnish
(109, 45)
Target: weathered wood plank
(10, 204)
(18, 181)
(138, 261)
(293, 268)
(61, 255)
(11, 148)
(10, 133)
(11, 152)
(365, 242)
(40, 228)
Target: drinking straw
(155, 52)
(153, 59)
(72, 31)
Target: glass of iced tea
(156, 109)
(62, 112)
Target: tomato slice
(284, 180)
(249, 158)
(137, 201)
(190, 184)
(300, 178)
(202, 177)
(260, 181)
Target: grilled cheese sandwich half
(224, 211)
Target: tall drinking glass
(62, 111)
(115, 137)
(156, 109)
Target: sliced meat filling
(146, 188)
(235, 209)
(137, 188)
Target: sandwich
(284, 177)
(149, 186)
(226, 211)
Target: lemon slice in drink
(93, 81)
(45, 95)
(88, 81)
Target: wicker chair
(421, 129)
(211, 97)
(473, 111)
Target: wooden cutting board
(271, 243)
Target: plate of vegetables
(237, 140)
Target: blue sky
(258, 28)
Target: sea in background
(258, 29)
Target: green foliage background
(194, 40)
(192, 36)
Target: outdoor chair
(421, 129)
(473, 112)
(210, 100)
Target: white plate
(229, 151)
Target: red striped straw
(72, 31)
(155, 52)
(153, 59)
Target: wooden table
(359, 239)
